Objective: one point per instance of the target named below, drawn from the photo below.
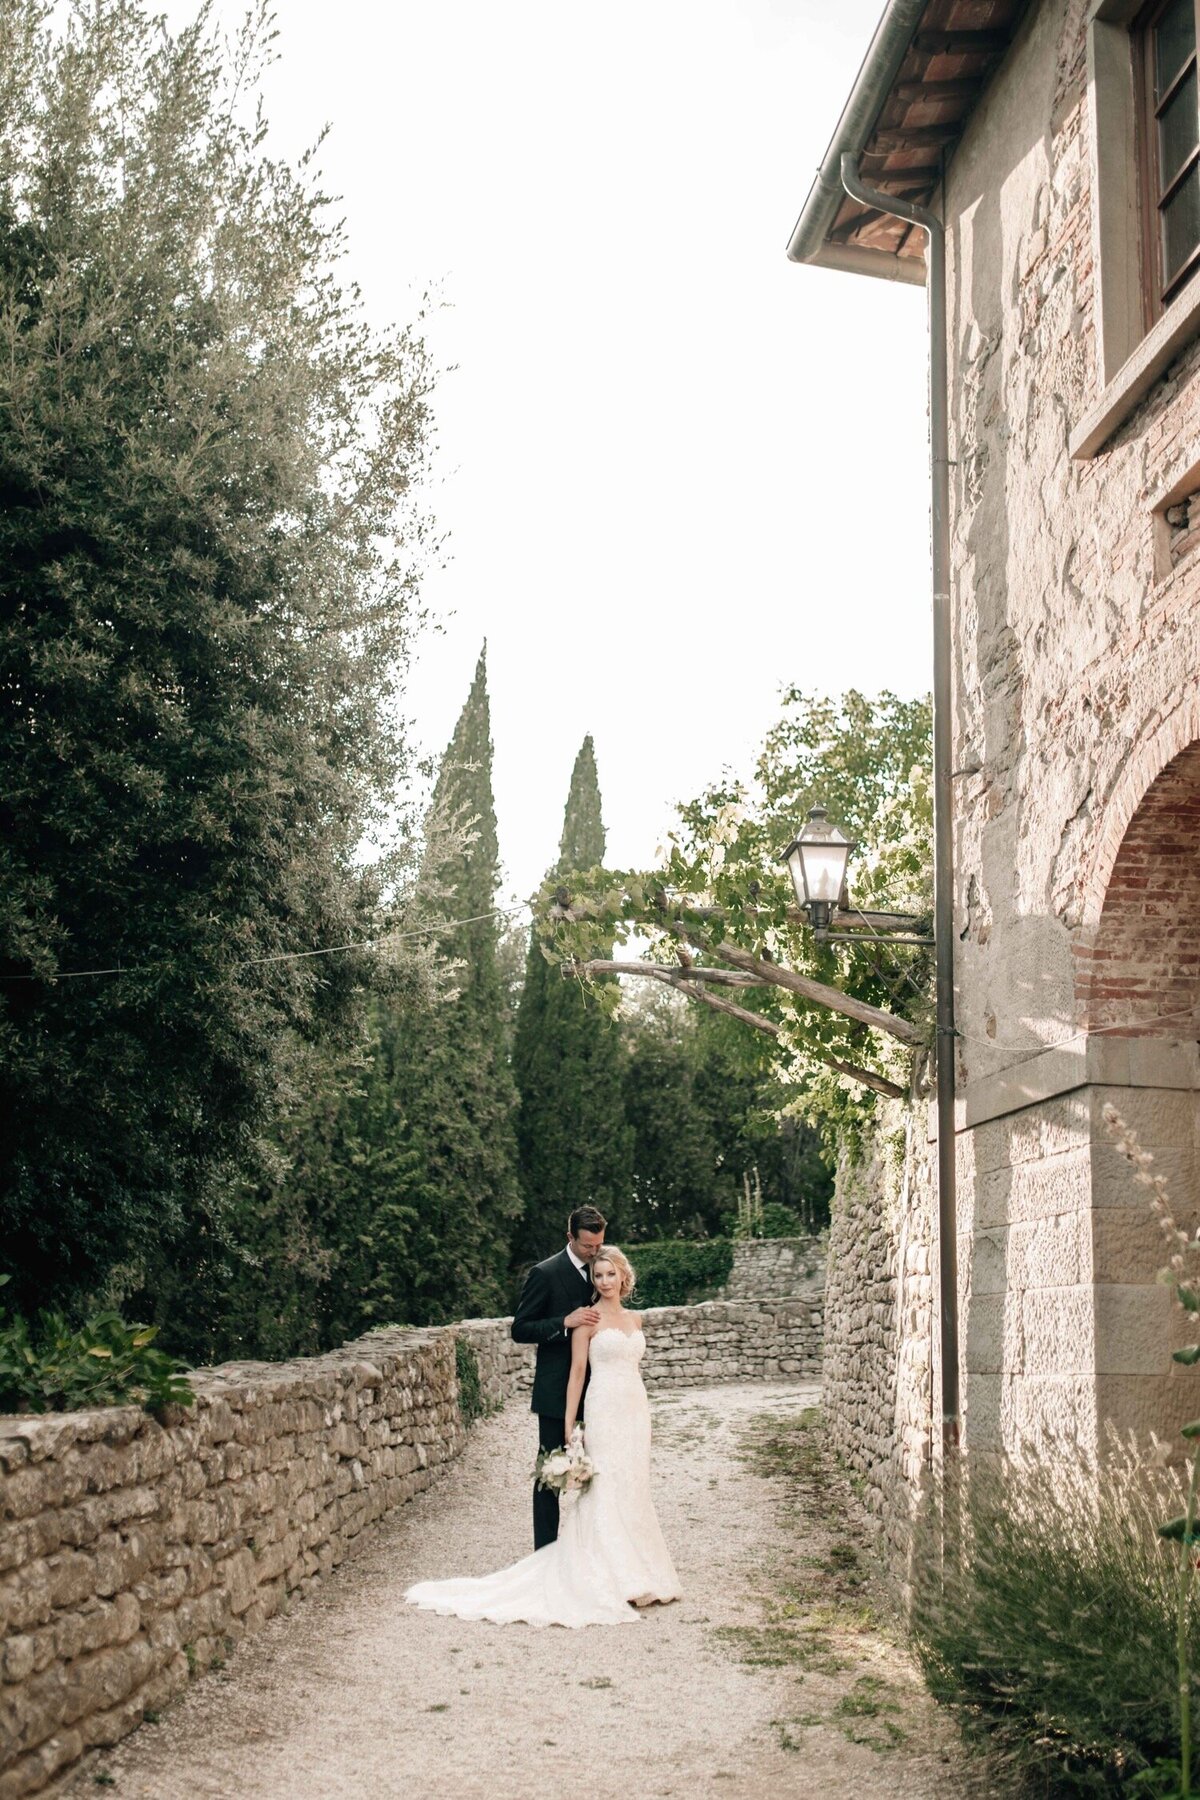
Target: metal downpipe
(943, 821)
(880, 67)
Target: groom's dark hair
(586, 1218)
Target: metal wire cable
(247, 962)
(997, 1043)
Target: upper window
(1144, 146)
(1165, 36)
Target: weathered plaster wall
(134, 1553)
(1077, 682)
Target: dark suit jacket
(552, 1289)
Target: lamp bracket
(870, 937)
(859, 924)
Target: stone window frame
(1129, 357)
(1166, 567)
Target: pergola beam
(690, 982)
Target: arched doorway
(1138, 997)
(1141, 975)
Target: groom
(556, 1297)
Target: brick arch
(1179, 729)
(1142, 959)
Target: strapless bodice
(613, 1351)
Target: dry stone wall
(880, 1326)
(136, 1553)
(735, 1340)
(771, 1268)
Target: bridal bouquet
(566, 1470)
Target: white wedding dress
(610, 1550)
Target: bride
(609, 1557)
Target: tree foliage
(573, 1140)
(704, 1100)
(391, 1192)
(454, 1095)
(208, 558)
(720, 883)
(316, 1246)
(678, 1272)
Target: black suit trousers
(545, 1502)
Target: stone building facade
(1074, 401)
(1079, 829)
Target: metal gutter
(943, 799)
(859, 259)
(881, 65)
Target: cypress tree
(574, 1146)
(455, 1098)
(396, 1189)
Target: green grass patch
(797, 1646)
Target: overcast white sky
(677, 471)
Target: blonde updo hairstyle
(621, 1263)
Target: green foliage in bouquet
(564, 1469)
(48, 1366)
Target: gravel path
(356, 1694)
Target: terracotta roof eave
(881, 65)
(858, 259)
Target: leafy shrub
(471, 1403)
(48, 1367)
(678, 1272)
(781, 1221)
(776, 1221)
(1054, 1626)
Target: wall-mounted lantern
(816, 861)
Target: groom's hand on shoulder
(583, 1315)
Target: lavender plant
(1181, 1529)
(1008, 1625)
